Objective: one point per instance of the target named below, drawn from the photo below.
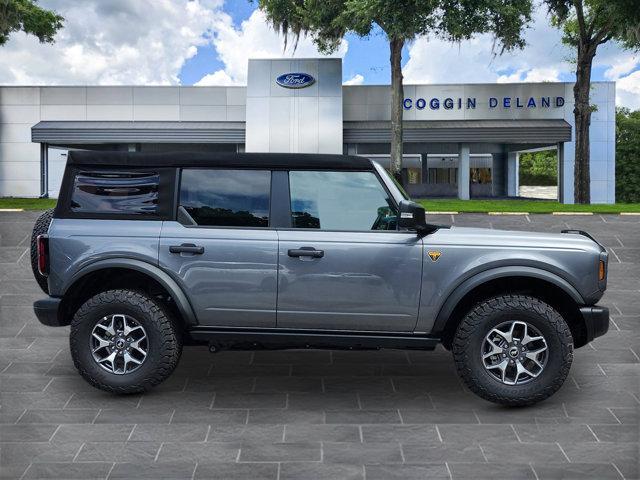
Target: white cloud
(253, 39)
(628, 91)
(545, 58)
(436, 61)
(219, 77)
(531, 75)
(114, 42)
(622, 65)
(357, 79)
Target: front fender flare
(478, 279)
(170, 285)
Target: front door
(221, 250)
(343, 265)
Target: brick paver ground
(318, 414)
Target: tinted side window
(340, 201)
(115, 192)
(226, 198)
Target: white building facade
(459, 140)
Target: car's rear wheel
(513, 350)
(39, 228)
(123, 341)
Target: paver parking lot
(318, 414)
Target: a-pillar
(463, 171)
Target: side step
(220, 338)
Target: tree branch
(580, 14)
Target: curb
(507, 213)
(441, 213)
(11, 209)
(630, 214)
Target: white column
(463, 171)
(513, 165)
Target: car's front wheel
(513, 350)
(124, 341)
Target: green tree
(327, 21)
(587, 24)
(627, 156)
(28, 17)
(539, 168)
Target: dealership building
(460, 140)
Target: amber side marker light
(601, 271)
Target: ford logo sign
(295, 80)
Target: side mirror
(412, 217)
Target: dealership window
(414, 176)
(225, 198)
(115, 192)
(443, 175)
(480, 175)
(340, 201)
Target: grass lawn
(28, 203)
(530, 206)
(431, 205)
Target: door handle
(306, 252)
(187, 248)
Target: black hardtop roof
(238, 160)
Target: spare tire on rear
(41, 227)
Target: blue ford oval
(295, 80)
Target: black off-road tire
(40, 227)
(164, 341)
(473, 328)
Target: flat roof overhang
(434, 131)
(452, 131)
(63, 132)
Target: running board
(220, 338)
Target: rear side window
(115, 192)
(225, 198)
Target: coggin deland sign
(469, 103)
(302, 80)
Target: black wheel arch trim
(163, 278)
(462, 289)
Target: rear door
(343, 263)
(221, 248)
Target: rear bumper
(596, 319)
(47, 311)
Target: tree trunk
(397, 98)
(582, 115)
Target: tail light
(43, 254)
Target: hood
(512, 239)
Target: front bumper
(596, 319)
(47, 311)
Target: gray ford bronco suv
(145, 253)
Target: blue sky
(367, 56)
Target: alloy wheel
(119, 344)
(514, 352)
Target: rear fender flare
(169, 284)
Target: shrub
(627, 156)
(539, 168)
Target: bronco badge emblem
(434, 256)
